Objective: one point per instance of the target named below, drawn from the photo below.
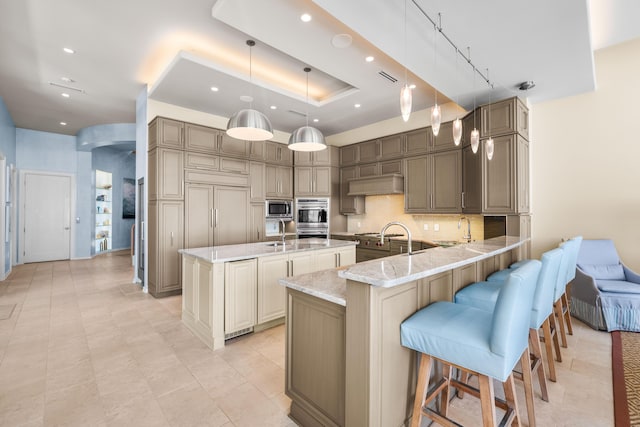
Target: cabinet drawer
(201, 161)
(391, 166)
(234, 166)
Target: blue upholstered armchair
(605, 293)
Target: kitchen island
(231, 290)
(344, 361)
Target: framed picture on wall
(128, 198)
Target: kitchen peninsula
(231, 290)
(344, 362)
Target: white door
(47, 217)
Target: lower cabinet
(334, 258)
(166, 225)
(257, 225)
(240, 295)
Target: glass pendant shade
(307, 138)
(249, 125)
(475, 140)
(489, 148)
(436, 118)
(405, 102)
(457, 131)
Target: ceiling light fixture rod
(439, 28)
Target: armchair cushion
(618, 286)
(603, 271)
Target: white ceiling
(181, 49)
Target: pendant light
(405, 92)
(489, 146)
(307, 138)
(475, 135)
(436, 116)
(457, 123)
(249, 124)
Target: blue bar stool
(561, 300)
(483, 295)
(482, 343)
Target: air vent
(298, 113)
(387, 76)
(66, 87)
(238, 333)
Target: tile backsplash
(379, 210)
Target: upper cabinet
(277, 153)
(418, 141)
(326, 157)
(444, 140)
(166, 133)
(505, 117)
(201, 138)
(228, 146)
(349, 154)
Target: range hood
(377, 185)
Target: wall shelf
(103, 211)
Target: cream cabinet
(200, 138)
(166, 133)
(314, 181)
(166, 174)
(333, 258)
(228, 146)
(326, 157)
(257, 222)
(277, 153)
(278, 181)
(240, 295)
(166, 225)
(216, 215)
(257, 181)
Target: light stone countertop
(218, 254)
(325, 284)
(331, 285)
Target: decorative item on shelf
(249, 124)
(106, 210)
(307, 138)
(405, 92)
(100, 198)
(106, 186)
(436, 116)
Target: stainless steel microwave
(279, 209)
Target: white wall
(586, 159)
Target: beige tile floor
(85, 347)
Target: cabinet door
(301, 263)
(369, 151)
(415, 185)
(256, 231)
(256, 150)
(277, 153)
(231, 215)
(346, 256)
(471, 181)
(418, 141)
(168, 174)
(349, 154)
(201, 161)
(327, 157)
(229, 146)
(444, 140)
(170, 228)
(200, 138)
(446, 182)
(322, 181)
(166, 133)
(392, 146)
(522, 185)
(303, 158)
(272, 183)
(469, 122)
(498, 118)
(326, 259)
(372, 169)
(349, 204)
(303, 181)
(231, 165)
(240, 295)
(391, 166)
(257, 181)
(499, 178)
(199, 216)
(271, 295)
(285, 174)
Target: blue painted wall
(8, 148)
(121, 164)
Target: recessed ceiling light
(214, 89)
(68, 50)
(63, 123)
(67, 79)
(316, 120)
(357, 105)
(341, 41)
(305, 17)
(412, 86)
(65, 95)
(273, 107)
(369, 58)
(246, 98)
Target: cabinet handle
(291, 267)
(211, 217)
(182, 135)
(172, 238)
(431, 200)
(463, 206)
(258, 235)
(215, 223)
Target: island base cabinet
(240, 296)
(203, 300)
(315, 374)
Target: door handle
(142, 231)
(463, 206)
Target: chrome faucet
(409, 251)
(468, 235)
(284, 226)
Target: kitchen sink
(277, 244)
